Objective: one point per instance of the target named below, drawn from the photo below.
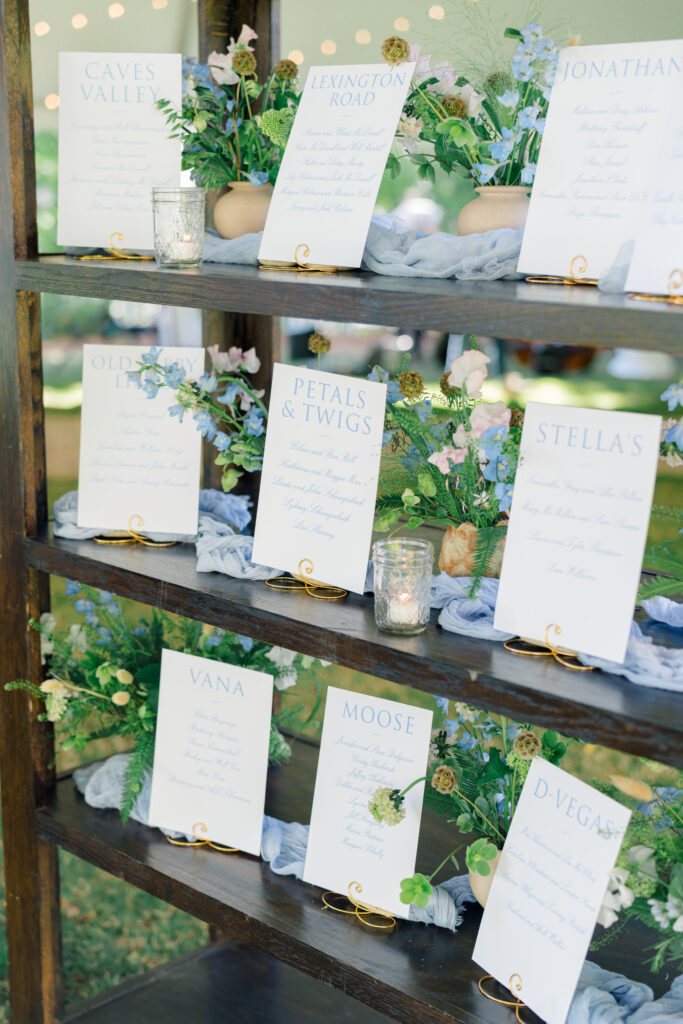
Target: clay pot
(481, 884)
(496, 206)
(242, 210)
(458, 551)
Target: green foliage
(479, 856)
(139, 767)
(664, 558)
(416, 890)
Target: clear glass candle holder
(403, 583)
(178, 226)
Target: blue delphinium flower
(133, 376)
(222, 441)
(207, 382)
(151, 357)
(503, 492)
(213, 640)
(177, 410)
(501, 149)
(521, 65)
(387, 437)
(412, 460)
(232, 124)
(205, 425)
(510, 98)
(451, 725)
(84, 605)
(673, 396)
(423, 410)
(148, 383)
(540, 124)
(229, 395)
(254, 422)
(467, 741)
(528, 174)
(72, 588)
(485, 172)
(442, 704)
(106, 597)
(139, 631)
(175, 375)
(245, 642)
(532, 33)
(104, 636)
(527, 118)
(379, 374)
(258, 178)
(675, 434)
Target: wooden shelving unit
(279, 927)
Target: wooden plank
(232, 982)
(502, 309)
(593, 706)
(30, 865)
(413, 974)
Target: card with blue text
(596, 168)
(320, 471)
(136, 460)
(332, 167)
(367, 743)
(211, 750)
(578, 525)
(114, 146)
(548, 888)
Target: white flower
(124, 677)
(246, 401)
(47, 626)
(250, 361)
(285, 679)
(55, 688)
(234, 359)
(617, 897)
(46, 647)
(48, 622)
(281, 657)
(243, 40)
(446, 78)
(221, 68)
(465, 712)
(409, 129)
(78, 638)
(472, 99)
(643, 860)
(120, 698)
(469, 370)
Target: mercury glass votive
(403, 583)
(178, 226)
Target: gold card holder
(515, 990)
(366, 913)
(303, 580)
(548, 649)
(198, 831)
(675, 291)
(301, 254)
(114, 252)
(133, 536)
(578, 266)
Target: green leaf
(479, 855)
(465, 823)
(550, 738)
(416, 890)
(512, 33)
(676, 883)
(230, 478)
(426, 484)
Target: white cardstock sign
(211, 750)
(114, 146)
(333, 164)
(367, 742)
(320, 470)
(578, 525)
(136, 460)
(657, 261)
(596, 166)
(548, 888)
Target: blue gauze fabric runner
(601, 996)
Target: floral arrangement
(647, 882)
(477, 768)
(463, 463)
(492, 135)
(233, 127)
(224, 404)
(103, 678)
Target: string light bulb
(52, 101)
(79, 21)
(116, 10)
(296, 55)
(328, 46)
(437, 12)
(363, 36)
(41, 28)
(401, 24)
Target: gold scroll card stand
(578, 266)
(301, 253)
(366, 913)
(133, 536)
(303, 580)
(515, 990)
(114, 252)
(548, 649)
(199, 831)
(675, 291)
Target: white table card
(211, 750)
(114, 146)
(136, 459)
(367, 742)
(333, 164)
(320, 470)
(657, 261)
(578, 525)
(548, 888)
(596, 166)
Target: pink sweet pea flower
(460, 436)
(250, 361)
(469, 371)
(485, 415)
(446, 78)
(243, 40)
(221, 68)
(446, 457)
(246, 400)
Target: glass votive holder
(178, 226)
(403, 584)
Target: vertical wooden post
(26, 747)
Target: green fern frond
(139, 766)
(485, 547)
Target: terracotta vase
(481, 884)
(496, 206)
(458, 551)
(242, 210)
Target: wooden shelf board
(415, 974)
(229, 982)
(506, 309)
(593, 706)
